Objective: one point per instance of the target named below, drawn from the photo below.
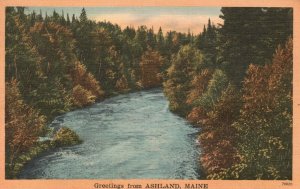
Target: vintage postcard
(149, 94)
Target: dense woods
(234, 81)
(239, 93)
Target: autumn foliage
(218, 137)
(238, 94)
(223, 80)
(23, 125)
(265, 125)
(86, 88)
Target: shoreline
(46, 146)
(43, 147)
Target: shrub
(65, 137)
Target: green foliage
(25, 157)
(215, 87)
(199, 87)
(179, 77)
(65, 137)
(51, 98)
(250, 36)
(55, 44)
(21, 56)
(207, 42)
(230, 118)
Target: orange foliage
(122, 84)
(267, 114)
(23, 124)
(82, 97)
(80, 76)
(199, 84)
(197, 115)
(218, 136)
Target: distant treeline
(234, 81)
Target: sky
(181, 19)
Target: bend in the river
(128, 136)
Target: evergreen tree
(246, 37)
(22, 59)
(68, 22)
(160, 41)
(83, 17)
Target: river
(130, 136)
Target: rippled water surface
(127, 136)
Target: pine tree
(250, 35)
(83, 17)
(22, 59)
(160, 41)
(68, 22)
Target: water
(129, 136)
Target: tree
(83, 79)
(22, 60)
(23, 125)
(68, 22)
(151, 39)
(250, 36)
(266, 115)
(150, 64)
(83, 17)
(179, 77)
(215, 86)
(218, 137)
(199, 87)
(160, 41)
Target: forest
(233, 81)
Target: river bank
(127, 136)
(45, 143)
